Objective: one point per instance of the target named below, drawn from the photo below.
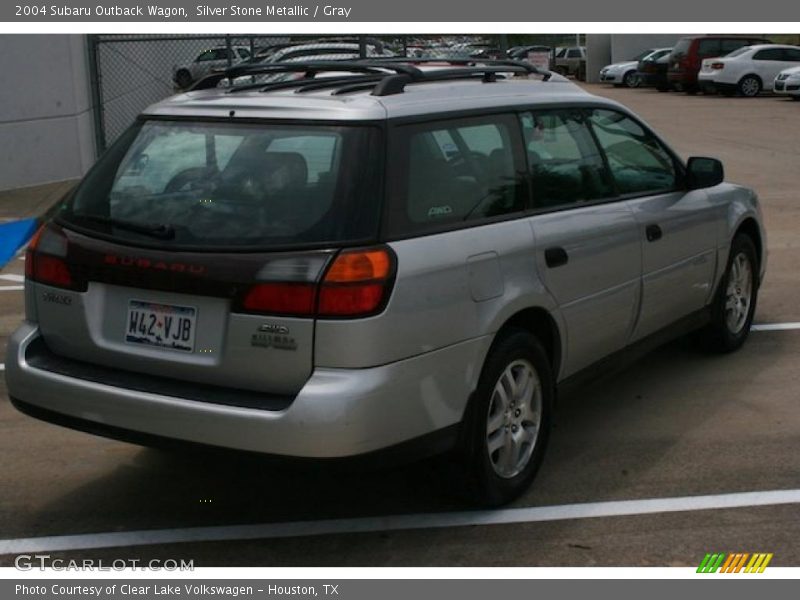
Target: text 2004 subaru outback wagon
(397, 258)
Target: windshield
(641, 55)
(215, 184)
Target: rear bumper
(338, 413)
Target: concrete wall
(604, 48)
(46, 128)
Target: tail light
(357, 283)
(46, 259)
(717, 65)
(295, 299)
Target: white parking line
(11, 288)
(12, 277)
(398, 522)
(776, 326)
(2, 367)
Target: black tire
(486, 486)
(795, 97)
(749, 86)
(631, 79)
(720, 335)
(183, 78)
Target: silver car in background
(787, 83)
(389, 262)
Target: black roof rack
(385, 76)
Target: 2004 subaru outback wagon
(396, 258)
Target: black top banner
(473, 11)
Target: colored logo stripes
(735, 562)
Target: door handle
(653, 233)
(555, 257)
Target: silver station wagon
(374, 258)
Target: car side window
(564, 162)
(769, 54)
(206, 56)
(791, 54)
(708, 48)
(455, 171)
(574, 53)
(639, 163)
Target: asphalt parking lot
(679, 424)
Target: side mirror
(703, 172)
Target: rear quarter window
(448, 173)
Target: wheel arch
(539, 322)
(750, 227)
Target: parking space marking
(776, 326)
(2, 367)
(11, 288)
(399, 522)
(12, 277)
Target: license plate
(161, 325)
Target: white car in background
(788, 82)
(747, 71)
(306, 51)
(626, 73)
(208, 60)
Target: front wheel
(735, 303)
(631, 79)
(509, 423)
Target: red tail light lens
(52, 271)
(350, 300)
(45, 259)
(281, 298)
(357, 283)
(717, 65)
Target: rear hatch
(196, 250)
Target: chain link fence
(131, 72)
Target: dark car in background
(652, 70)
(688, 54)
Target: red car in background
(689, 52)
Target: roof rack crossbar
(386, 76)
(462, 61)
(310, 68)
(395, 84)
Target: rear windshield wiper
(160, 231)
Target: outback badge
(270, 335)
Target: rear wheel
(749, 86)
(735, 304)
(509, 424)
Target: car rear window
(213, 184)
